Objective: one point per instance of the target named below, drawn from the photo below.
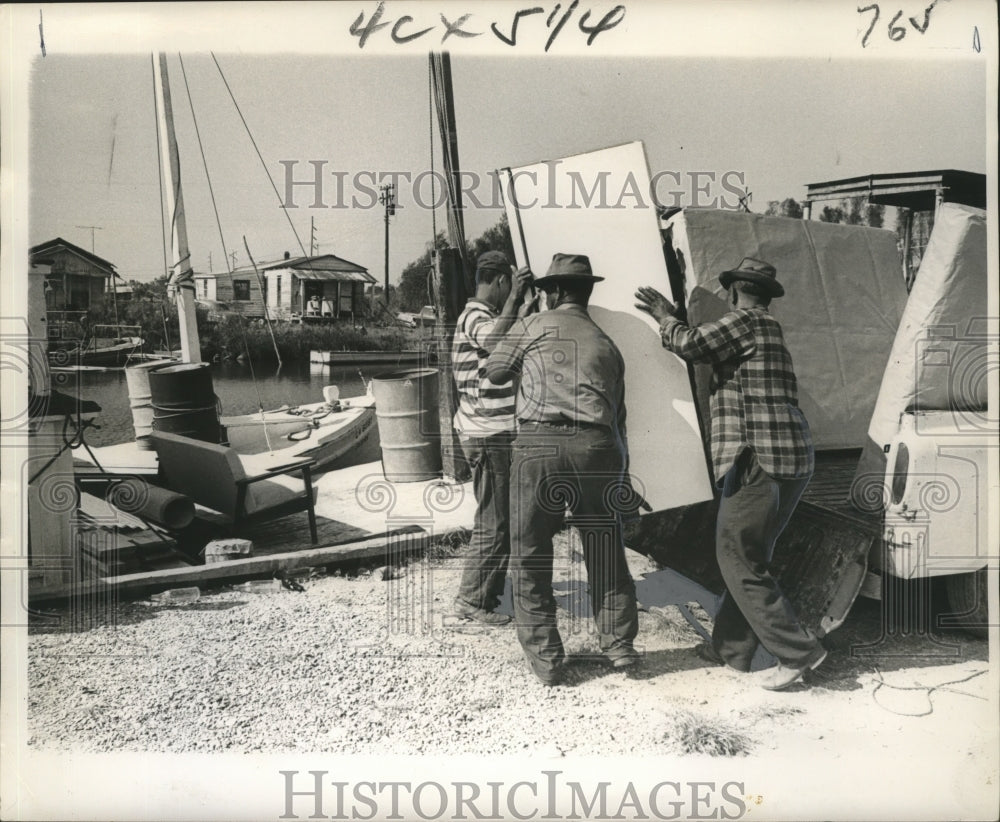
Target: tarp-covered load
(938, 360)
(844, 296)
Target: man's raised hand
(654, 303)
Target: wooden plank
(393, 545)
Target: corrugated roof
(325, 262)
(329, 276)
(300, 265)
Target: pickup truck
(885, 420)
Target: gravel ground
(359, 664)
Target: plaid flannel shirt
(754, 395)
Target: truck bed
(830, 487)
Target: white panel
(598, 204)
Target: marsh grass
(693, 734)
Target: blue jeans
(489, 547)
(754, 510)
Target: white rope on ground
(930, 689)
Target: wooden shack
(77, 280)
(337, 285)
(334, 286)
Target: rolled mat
(166, 508)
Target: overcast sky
(781, 123)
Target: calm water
(294, 384)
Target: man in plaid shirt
(763, 459)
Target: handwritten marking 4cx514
(406, 30)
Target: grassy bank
(233, 338)
(229, 336)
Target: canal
(240, 391)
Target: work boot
(551, 676)
(782, 676)
(707, 652)
(481, 615)
(623, 657)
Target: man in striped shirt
(763, 457)
(485, 425)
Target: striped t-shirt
(484, 408)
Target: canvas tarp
(619, 230)
(844, 296)
(939, 359)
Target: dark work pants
(555, 467)
(489, 547)
(754, 510)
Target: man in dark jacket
(763, 458)
(570, 452)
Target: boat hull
(308, 431)
(109, 356)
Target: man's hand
(654, 303)
(522, 281)
(530, 306)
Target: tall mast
(181, 281)
(444, 99)
(453, 282)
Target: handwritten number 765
(895, 32)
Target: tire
(969, 601)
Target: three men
(570, 452)
(763, 459)
(485, 424)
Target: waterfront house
(318, 287)
(77, 281)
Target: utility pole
(232, 255)
(312, 236)
(388, 199)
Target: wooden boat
(97, 353)
(334, 435)
(333, 438)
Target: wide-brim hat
(754, 271)
(567, 268)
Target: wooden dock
(360, 517)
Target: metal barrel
(184, 402)
(406, 408)
(140, 400)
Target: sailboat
(115, 348)
(333, 433)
